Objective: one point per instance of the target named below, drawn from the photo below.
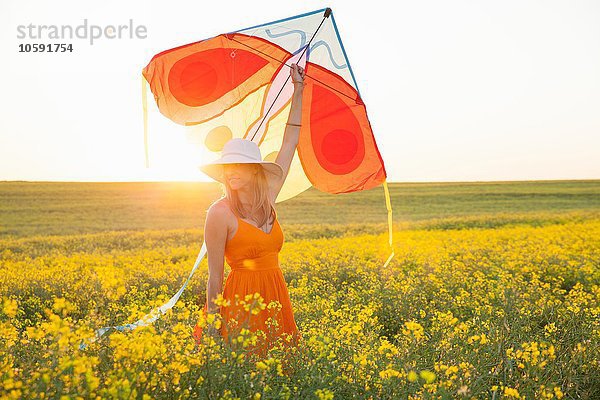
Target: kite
(237, 85)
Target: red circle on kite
(339, 146)
(198, 81)
(203, 77)
(335, 133)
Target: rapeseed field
(491, 305)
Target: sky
(454, 90)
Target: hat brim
(215, 169)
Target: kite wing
(197, 82)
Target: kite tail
(145, 107)
(388, 204)
(154, 314)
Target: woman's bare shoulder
(219, 214)
(220, 207)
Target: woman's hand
(297, 73)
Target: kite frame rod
(327, 14)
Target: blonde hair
(261, 203)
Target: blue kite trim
(344, 51)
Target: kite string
(289, 66)
(288, 78)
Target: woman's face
(239, 175)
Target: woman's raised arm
(292, 128)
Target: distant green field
(56, 208)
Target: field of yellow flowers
(462, 311)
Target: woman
(242, 227)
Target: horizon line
(213, 182)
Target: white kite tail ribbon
(154, 314)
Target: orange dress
(253, 256)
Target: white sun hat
(239, 151)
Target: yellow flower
(412, 376)
(510, 392)
(413, 328)
(221, 301)
(427, 376)
(324, 394)
(558, 393)
(10, 307)
(388, 373)
(261, 366)
(550, 329)
(483, 339)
